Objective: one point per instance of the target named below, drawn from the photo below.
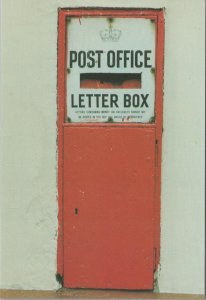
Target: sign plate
(110, 70)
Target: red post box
(110, 91)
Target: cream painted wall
(28, 155)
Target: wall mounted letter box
(110, 90)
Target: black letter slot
(110, 80)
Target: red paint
(159, 130)
(111, 216)
(61, 109)
(110, 180)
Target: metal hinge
(154, 259)
(156, 152)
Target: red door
(109, 173)
(108, 207)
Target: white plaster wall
(28, 151)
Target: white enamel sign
(110, 70)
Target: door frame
(158, 16)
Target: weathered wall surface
(28, 151)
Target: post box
(110, 91)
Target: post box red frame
(158, 16)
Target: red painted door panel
(108, 202)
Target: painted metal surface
(108, 207)
(109, 184)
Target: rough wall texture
(28, 160)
